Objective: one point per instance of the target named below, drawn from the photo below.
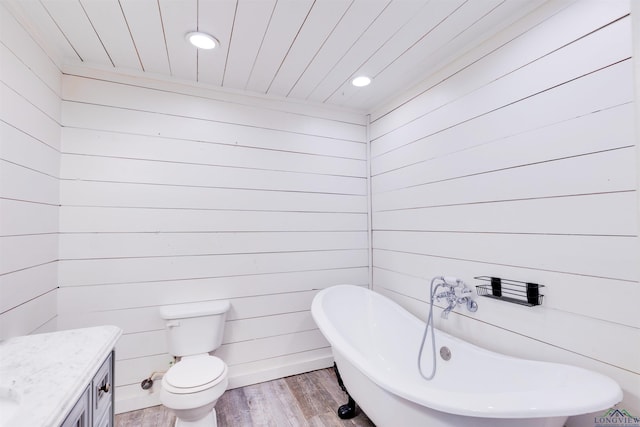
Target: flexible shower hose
(426, 331)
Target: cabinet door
(106, 420)
(80, 414)
(103, 389)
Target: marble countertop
(48, 372)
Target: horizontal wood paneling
(600, 256)
(267, 348)
(225, 114)
(604, 172)
(170, 197)
(130, 372)
(282, 324)
(146, 294)
(141, 344)
(255, 100)
(29, 186)
(570, 332)
(519, 160)
(25, 284)
(148, 123)
(29, 315)
(97, 143)
(20, 148)
(101, 219)
(131, 245)
(534, 37)
(556, 104)
(279, 367)
(562, 296)
(41, 64)
(555, 215)
(144, 319)
(153, 172)
(590, 133)
(19, 217)
(612, 44)
(124, 270)
(22, 114)
(115, 194)
(236, 331)
(27, 250)
(25, 183)
(34, 90)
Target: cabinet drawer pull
(105, 388)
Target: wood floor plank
(129, 419)
(303, 394)
(148, 417)
(328, 380)
(232, 409)
(306, 400)
(265, 408)
(317, 393)
(158, 418)
(288, 403)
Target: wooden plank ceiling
(301, 49)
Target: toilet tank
(194, 328)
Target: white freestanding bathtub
(375, 343)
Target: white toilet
(192, 386)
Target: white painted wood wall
(30, 85)
(519, 160)
(172, 194)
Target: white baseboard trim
(134, 402)
(132, 398)
(242, 379)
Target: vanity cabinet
(102, 394)
(62, 378)
(95, 406)
(79, 415)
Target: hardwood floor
(306, 400)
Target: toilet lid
(195, 372)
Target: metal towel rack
(514, 291)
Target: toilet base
(209, 420)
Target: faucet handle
(451, 281)
(442, 295)
(462, 290)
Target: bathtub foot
(348, 410)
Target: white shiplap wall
(519, 161)
(173, 194)
(30, 84)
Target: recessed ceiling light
(202, 40)
(361, 81)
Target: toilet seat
(194, 374)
